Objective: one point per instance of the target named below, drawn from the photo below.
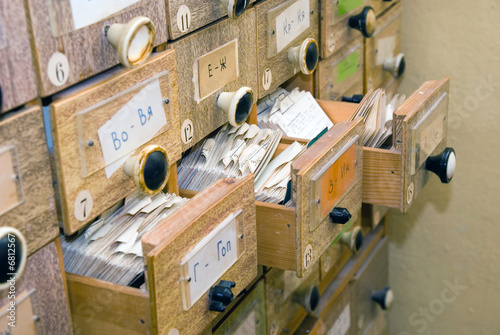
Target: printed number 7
(84, 202)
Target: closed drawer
(342, 21)
(290, 298)
(381, 5)
(41, 303)
(114, 134)
(370, 293)
(384, 61)
(249, 318)
(347, 243)
(326, 181)
(218, 59)
(209, 239)
(341, 73)
(394, 177)
(27, 201)
(337, 319)
(287, 35)
(72, 41)
(17, 73)
(187, 16)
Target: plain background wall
(451, 235)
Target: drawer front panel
(337, 158)
(40, 296)
(335, 32)
(382, 46)
(28, 204)
(338, 318)
(282, 289)
(219, 58)
(371, 277)
(342, 72)
(70, 40)
(380, 5)
(17, 73)
(281, 26)
(249, 318)
(97, 129)
(211, 238)
(185, 17)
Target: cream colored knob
(235, 7)
(305, 55)
(395, 65)
(237, 105)
(308, 298)
(133, 41)
(13, 256)
(149, 169)
(353, 239)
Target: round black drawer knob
(305, 55)
(235, 7)
(221, 295)
(237, 105)
(353, 239)
(308, 298)
(365, 21)
(149, 169)
(384, 298)
(395, 65)
(443, 165)
(340, 215)
(13, 256)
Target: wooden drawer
(41, 303)
(17, 73)
(177, 299)
(370, 293)
(381, 5)
(287, 35)
(94, 135)
(394, 177)
(27, 201)
(347, 243)
(342, 72)
(185, 16)
(249, 318)
(337, 28)
(290, 299)
(220, 58)
(337, 319)
(294, 238)
(384, 61)
(71, 37)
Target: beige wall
(451, 235)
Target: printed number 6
(60, 72)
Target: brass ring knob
(13, 256)
(237, 105)
(365, 22)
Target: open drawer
(395, 177)
(114, 134)
(326, 181)
(197, 260)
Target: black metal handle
(340, 215)
(221, 295)
(364, 22)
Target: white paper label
(187, 131)
(341, 326)
(292, 22)
(58, 69)
(83, 205)
(267, 79)
(87, 12)
(133, 125)
(209, 260)
(308, 256)
(247, 327)
(385, 49)
(183, 18)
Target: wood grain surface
(205, 115)
(279, 65)
(36, 215)
(71, 148)
(87, 50)
(166, 245)
(43, 281)
(201, 14)
(17, 71)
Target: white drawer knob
(235, 7)
(384, 298)
(353, 239)
(395, 65)
(13, 256)
(149, 169)
(443, 165)
(237, 105)
(133, 41)
(308, 298)
(305, 55)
